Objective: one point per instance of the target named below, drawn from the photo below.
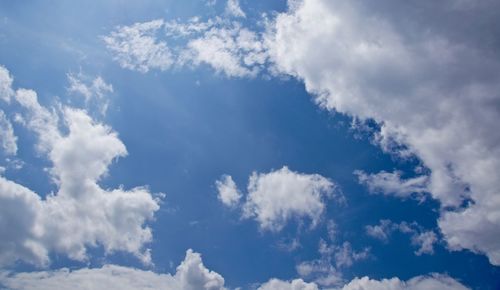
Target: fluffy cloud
(433, 282)
(191, 274)
(428, 81)
(8, 140)
(228, 193)
(387, 183)
(80, 213)
(431, 91)
(296, 284)
(420, 238)
(276, 197)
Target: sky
(267, 145)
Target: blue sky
(305, 144)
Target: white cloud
(191, 274)
(296, 284)
(228, 49)
(8, 140)
(276, 197)
(93, 90)
(433, 94)
(424, 91)
(223, 45)
(6, 80)
(137, 47)
(228, 193)
(80, 213)
(387, 183)
(432, 282)
(327, 270)
(233, 8)
(423, 239)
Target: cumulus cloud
(432, 282)
(391, 183)
(228, 193)
(296, 284)
(80, 214)
(421, 238)
(191, 274)
(429, 90)
(429, 82)
(8, 140)
(276, 197)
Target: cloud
(224, 45)
(433, 91)
(390, 183)
(228, 193)
(430, 83)
(191, 274)
(327, 270)
(233, 9)
(8, 140)
(276, 197)
(136, 47)
(296, 284)
(80, 213)
(93, 90)
(423, 239)
(432, 282)
(6, 80)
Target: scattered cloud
(276, 197)
(80, 213)
(8, 140)
(391, 183)
(296, 284)
(93, 90)
(431, 282)
(224, 45)
(423, 239)
(430, 85)
(191, 274)
(233, 9)
(434, 93)
(327, 270)
(228, 193)
(136, 47)
(6, 80)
